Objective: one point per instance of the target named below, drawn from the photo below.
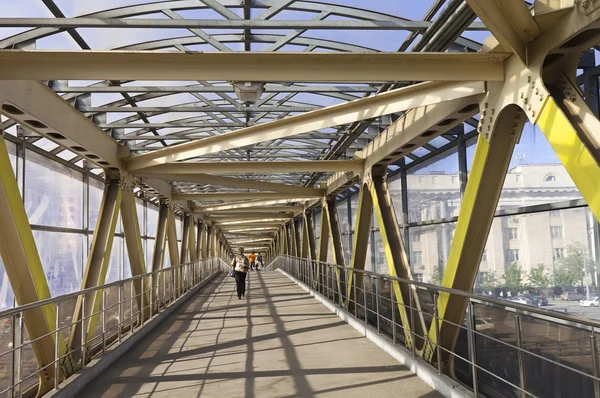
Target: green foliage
(513, 278)
(572, 268)
(488, 281)
(437, 275)
(538, 278)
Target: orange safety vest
(252, 257)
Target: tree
(437, 275)
(573, 267)
(488, 281)
(513, 278)
(538, 279)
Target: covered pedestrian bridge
(401, 168)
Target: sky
(533, 147)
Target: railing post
(366, 311)
(472, 347)
(142, 312)
(392, 306)
(120, 295)
(518, 332)
(436, 321)
(376, 293)
(595, 363)
(17, 353)
(57, 347)
(131, 297)
(411, 301)
(151, 290)
(103, 305)
(83, 331)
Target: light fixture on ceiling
(248, 92)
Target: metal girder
(25, 272)
(253, 221)
(269, 88)
(179, 168)
(203, 241)
(310, 234)
(135, 250)
(484, 186)
(366, 108)
(250, 225)
(335, 236)
(173, 245)
(41, 110)
(161, 239)
(194, 109)
(416, 127)
(170, 125)
(250, 66)
(510, 21)
(244, 205)
(362, 233)
(323, 238)
(97, 265)
(248, 214)
(254, 23)
(185, 240)
(253, 196)
(397, 261)
(240, 183)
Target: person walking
(240, 267)
(259, 260)
(252, 258)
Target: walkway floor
(276, 342)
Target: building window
(434, 179)
(557, 232)
(454, 179)
(512, 233)
(555, 213)
(419, 277)
(550, 178)
(559, 252)
(512, 255)
(417, 257)
(484, 256)
(415, 237)
(518, 178)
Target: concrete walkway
(276, 342)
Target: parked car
(571, 296)
(523, 300)
(589, 303)
(538, 300)
(485, 325)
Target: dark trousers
(240, 283)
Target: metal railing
(504, 349)
(125, 307)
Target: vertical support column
(203, 241)
(161, 237)
(185, 239)
(286, 240)
(324, 235)
(199, 233)
(360, 244)
(293, 238)
(397, 259)
(193, 247)
(488, 172)
(310, 230)
(173, 248)
(97, 264)
(131, 228)
(335, 235)
(24, 269)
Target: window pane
(342, 211)
(61, 255)
(381, 266)
(395, 187)
(53, 193)
(317, 224)
(139, 205)
(94, 200)
(149, 253)
(179, 227)
(353, 210)
(6, 292)
(152, 222)
(429, 252)
(12, 155)
(432, 192)
(114, 266)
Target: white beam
(313, 166)
(236, 196)
(243, 205)
(249, 66)
(366, 108)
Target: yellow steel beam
(173, 246)
(308, 220)
(397, 261)
(261, 67)
(234, 196)
(245, 205)
(240, 183)
(335, 237)
(24, 270)
(510, 21)
(185, 240)
(245, 167)
(582, 164)
(192, 245)
(360, 244)
(135, 250)
(204, 241)
(361, 109)
(161, 237)
(488, 172)
(97, 264)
